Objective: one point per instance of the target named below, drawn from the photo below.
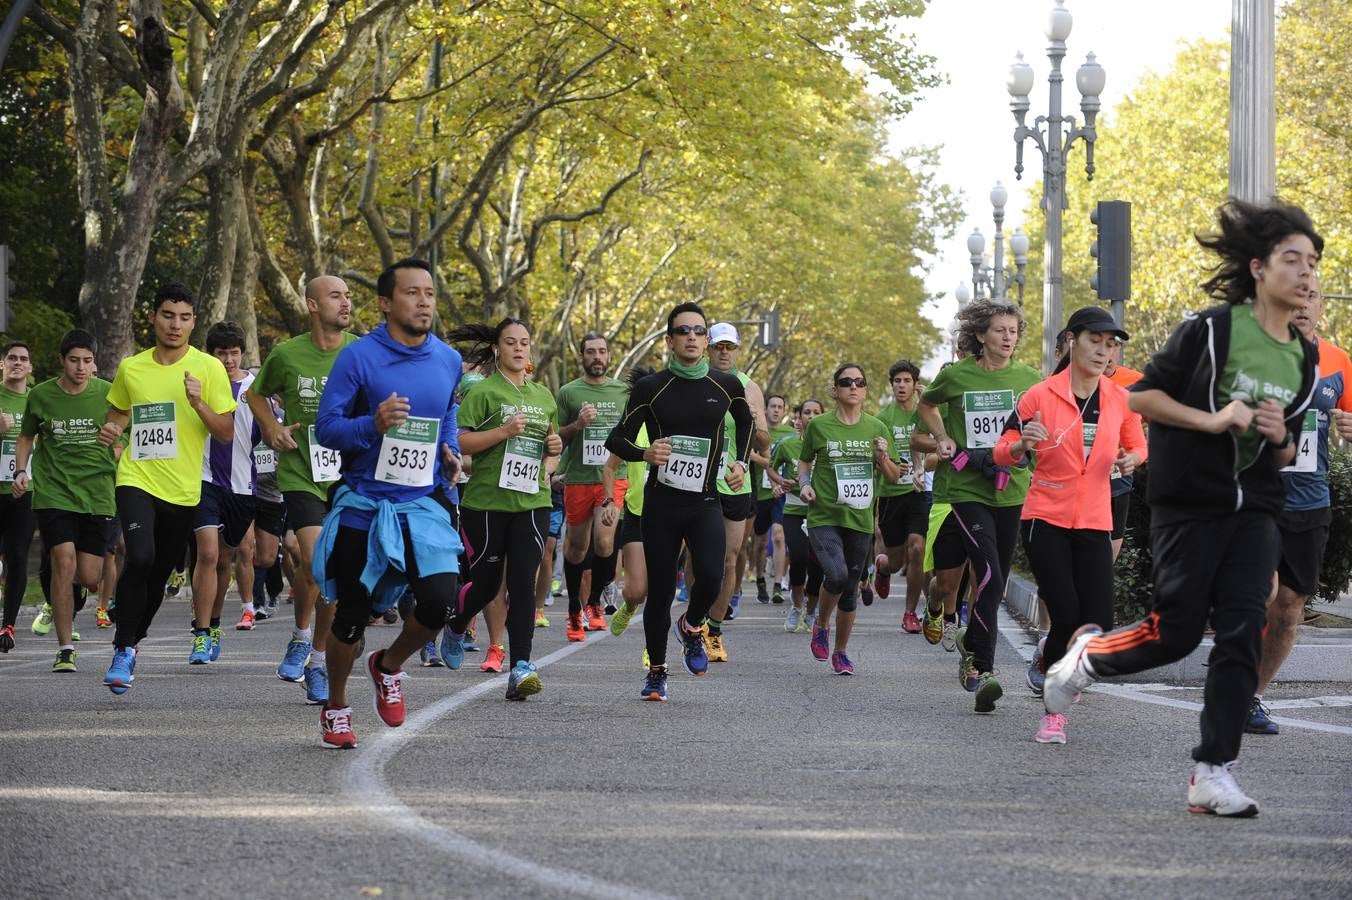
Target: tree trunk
(224, 223)
(244, 280)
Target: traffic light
(7, 288)
(1112, 249)
(769, 330)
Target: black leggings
(988, 536)
(16, 518)
(495, 540)
(803, 566)
(432, 593)
(673, 519)
(1074, 572)
(156, 533)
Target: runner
(508, 424)
(226, 510)
(1226, 398)
(296, 372)
(965, 409)
(631, 526)
(389, 409)
(805, 573)
(683, 407)
(588, 408)
(72, 482)
(268, 532)
(16, 511)
(903, 508)
(768, 529)
(843, 454)
(171, 398)
(1304, 523)
(1079, 426)
(739, 504)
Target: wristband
(1286, 443)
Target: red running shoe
(389, 690)
(335, 728)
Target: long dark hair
(975, 319)
(481, 338)
(1249, 231)
(638, 372)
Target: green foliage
(42, 327)
(1337, 573)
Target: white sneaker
(1212, 790)
(791, 619)
(1071, 673)
(950, 639)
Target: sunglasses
(851, 382)
(724, 345)
(683, 330)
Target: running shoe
(176, 581)
(792, 618)
(262, 613)
(101, 618)
(692, 648)
(391, 615)
(74, 635)
(429, 656)
(804, 624)
(1212, 790)
(555, 590)
(1071, 673)
(682, 594)
(452, 648)
(493, 659)
(655, 684)
(541, 620)
(65, 661)
(866, 592)
(1037, 670)
(647, 663)
(595, 621)
(316, 685)
(201, 649)
(1259, 721)
(762, 592)
(967, 673)
(388, 693)
(246, 621)
(6, 639)
(610, 598)
(620, 621)
(523, 680)
(821, 643)
(882, 584)
(215, 643)
(120, 673)
(1052, 730)
(909, 623)
(949, 639)
(292, 667)
(576, 630)
(335, 728)
(469, 641)
(733, 602)
(962, 613)
(713, 647)
(43, 623)
(778, 596)
(988, 690)
(840, 663)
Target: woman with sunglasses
(843, 453)
(965, 409)
(804, 571)
(1079, 427)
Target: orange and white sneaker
(596, 621)
(335, 728)
(246, 621)
(493, 659)
(575, 630)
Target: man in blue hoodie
(389, 409)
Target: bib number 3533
(325, 464)
(408, 453)
(687, 465)
(154, 431)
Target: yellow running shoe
(541, 620)
(714, 649)
(932, 625)
(620, 620)
(646, 667)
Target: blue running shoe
(120, 677)
(693, 654)
(215, 644)
(732, 606)
(655, 684)
(1037, 676)
(1259, 721)
(201, 649)
(523, 681)
(682, 595)
(293, 664)
(452, 648)
(316, 685)
(431, 659)
(468, 642)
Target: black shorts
(949, 550)
(88, 532)
(230, 512)
(114, 536)
(738, 507)
(270, 516)
(304, 510)
(1305, 534)
(631, 529)
(769, 512)
(1121, 506)
(902, 516)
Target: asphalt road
(768, 778)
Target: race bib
(984, 416)
(154, 431)
(521, 465)
(324, 463)
(1307, 445)
(688, 464)
(765, 480)
(9, 458)
(1090, 430)
(265, 459)
(594, 452)
(854, 485)
(408, 452)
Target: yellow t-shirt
(166, 438)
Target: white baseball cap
(724, 333)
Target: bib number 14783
(687, 465)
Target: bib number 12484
(154, 431)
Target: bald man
(295, 373)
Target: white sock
(248, 607)
(303, 634)
(316, 659)
(66, 647)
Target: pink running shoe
(1052, 730)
